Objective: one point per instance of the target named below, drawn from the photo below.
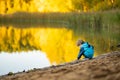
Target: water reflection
(19, 61)
(16, 39)
(59, 44)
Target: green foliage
(77, 4)
(10, 73)
(96, 5)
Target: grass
(100, 25)
(96, 19)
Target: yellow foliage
(8, 6)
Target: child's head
(79, 42)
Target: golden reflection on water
(58, 43)
(17, 39)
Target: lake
(22, 61)
(39, 46)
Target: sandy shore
(103, 67)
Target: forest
(11, 6)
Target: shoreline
(103, 67)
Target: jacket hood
(84, 44)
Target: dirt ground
(103, 67)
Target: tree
(95, 5)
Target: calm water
(41, 46)
(19, 61)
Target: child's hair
(79, 42)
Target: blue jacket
(86, 50)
